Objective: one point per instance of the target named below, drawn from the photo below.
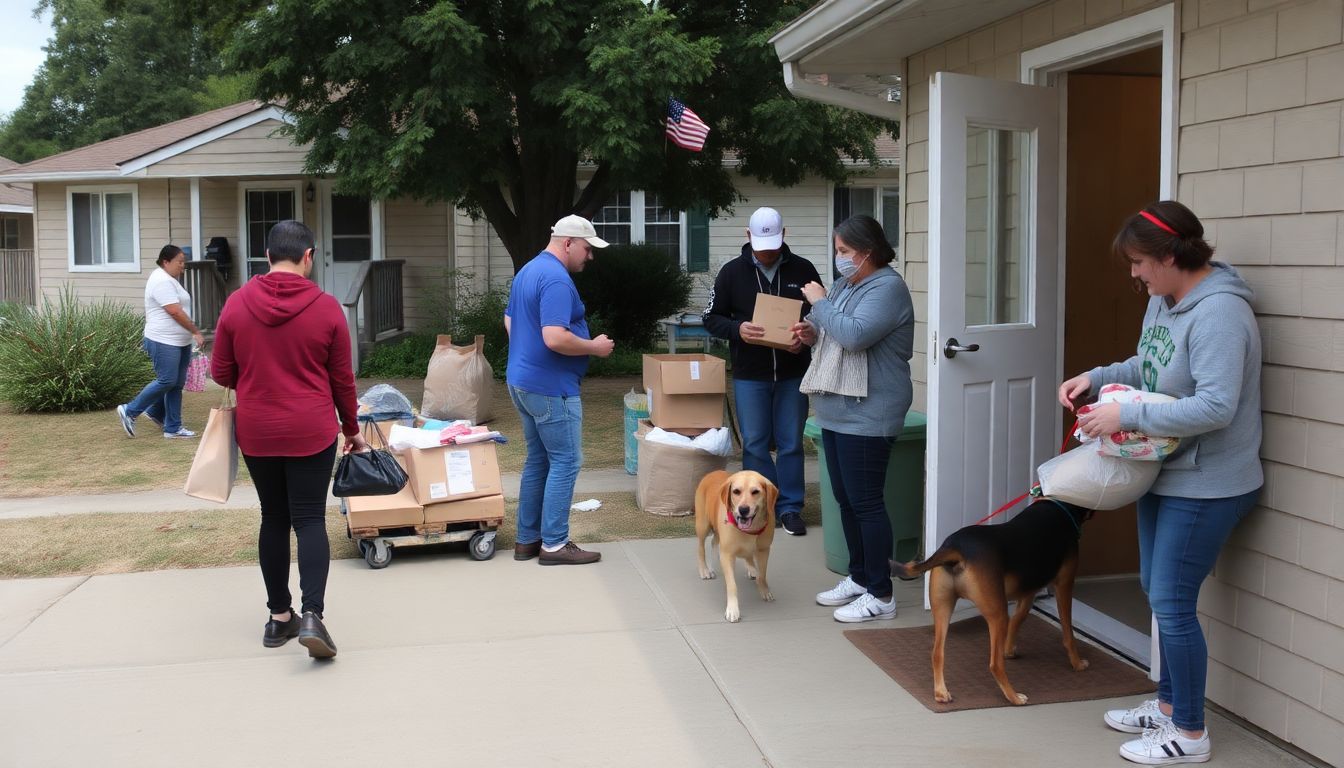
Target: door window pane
(998, 262)
(265, 208)
(351, 228)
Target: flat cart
(376, 544)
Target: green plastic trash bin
(904, 495)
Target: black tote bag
(368, 473)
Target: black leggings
(293, 492)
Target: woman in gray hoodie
(869, 314)
(1199, 344)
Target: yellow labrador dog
(740, 510)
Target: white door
(994, 276)
(349, 239)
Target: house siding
(1260, 158)
(420, 234)
(257, 150)
(53, 255)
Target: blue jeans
(775, 410)
(1179, 541)
(552, 427)
(857, 466)
(162, 397)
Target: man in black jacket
(765, 380)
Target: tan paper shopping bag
(215, 467)
(459, 383)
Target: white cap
(577, 226)
(767, 230)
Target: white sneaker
(180, 433)
(1137, 720)
(866, 608)
(1166, 746)
(841, 593)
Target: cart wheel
(364, 547)
(482, 545)
(371, 555)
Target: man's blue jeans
(162, 397)
(775, 410)
(553, 428)
(1179, 541)
(857, 466)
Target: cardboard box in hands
(776, 315)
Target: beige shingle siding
(1261, 158)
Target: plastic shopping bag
(1132, 444)
(1094, 480)
(198, 370)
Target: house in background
(1030, 131)
(17, 271)
(214, 184)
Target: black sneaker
(793, 524)
(313, 636)
(279, 632)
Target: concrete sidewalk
(448, 661)
(244, 497)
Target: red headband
(1159, 223)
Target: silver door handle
(953, 347)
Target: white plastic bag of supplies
(1093, 480)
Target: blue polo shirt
(543, 294)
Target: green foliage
(114, 67)
(406, 358)
(623, 361)
(492, 105)
(627, 289)
(67, 356)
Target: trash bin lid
(811, 431)
(915, 425)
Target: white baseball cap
(577, 226)
(767, 230)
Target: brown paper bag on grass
(215, 467)
(459, 383)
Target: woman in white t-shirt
(169, 335)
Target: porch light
(310, 192)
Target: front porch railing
(206, 287)
(374, 306)
(18, 276)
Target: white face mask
(846, 267)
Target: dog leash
(1035, 489)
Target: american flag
(684, 127)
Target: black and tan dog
(992, 564)
(740, 510)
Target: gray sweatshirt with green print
(1204, 351)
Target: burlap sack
(215, 467)
(668, 475)
(459, 383)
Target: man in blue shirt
(548, 355)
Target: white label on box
(438, 490)
(457, 466)
(695, 370)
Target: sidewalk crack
(43, 612)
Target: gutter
(838, 97)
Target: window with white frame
(263, 209)
(9, 233)
(103, 230)
(635, 216)
(882, 203)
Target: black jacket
(733, 301)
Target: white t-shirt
(160, 291)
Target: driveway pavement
(448, 661)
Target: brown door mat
(1041, 671)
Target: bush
(628, 289)
(475, 312)
(406, 358)
(69, 356)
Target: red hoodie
(283, 345)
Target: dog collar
(728, 513)
(1067, 514)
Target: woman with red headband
(1199, 344)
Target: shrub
(474, 312)
(628, 289)
(406, 358)
(68, 356)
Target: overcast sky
(21, 41)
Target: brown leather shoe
(526, 551)
(570, 554)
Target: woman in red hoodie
(283, 345)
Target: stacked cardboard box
(685, 391)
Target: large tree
(113, 67)
(527, 110)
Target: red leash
(1015, 502)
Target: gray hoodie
(1204, 351)
(876, 316)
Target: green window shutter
(697, 240)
